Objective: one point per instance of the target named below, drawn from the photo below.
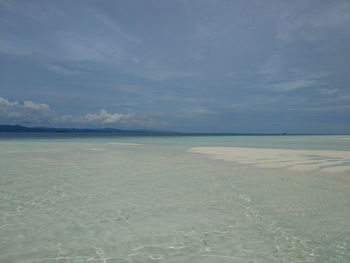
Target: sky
(255, 66)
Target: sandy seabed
(303, 160)
(151, 200)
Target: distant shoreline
(18, 129)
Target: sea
(104, 198)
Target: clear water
(73, 199)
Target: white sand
(96, 149)
(301, 160)
(125, 144)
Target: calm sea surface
(105, 198)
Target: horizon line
(35, 129)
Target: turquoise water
(307, 142)
(85, 200)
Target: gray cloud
(203, 111)
(157, 58)
(115, 27)
(308, 24)
(272, 65)
(328, 91)
(62, 70)
(292, 85)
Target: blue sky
(204, 66)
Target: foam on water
(143, 200)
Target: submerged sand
(60, 202)
(125, 144)
(303, 160)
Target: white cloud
(91, 119)
(104, 117)
(298, 84)
(28, 112)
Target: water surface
(147, 199)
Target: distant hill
(19, 128)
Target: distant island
(20, 128)
(24, 129)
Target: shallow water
(99, 200)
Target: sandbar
(125, 144)
(301, 160)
